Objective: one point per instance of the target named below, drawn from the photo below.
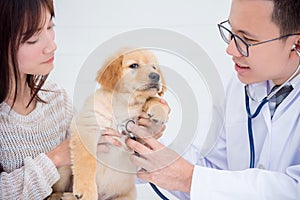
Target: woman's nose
(51, 47)
(50, 44)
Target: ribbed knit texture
(24, 140)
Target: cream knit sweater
(27, 173)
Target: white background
(81, 26)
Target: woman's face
(36, 55)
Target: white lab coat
(224, 173)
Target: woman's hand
(108, 137)
(160, 165)
(60, 155)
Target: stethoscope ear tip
(296, 49)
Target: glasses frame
(234, 36)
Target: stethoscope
(122, 128)
(260, 106)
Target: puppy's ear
(163, 89)
(109, 75)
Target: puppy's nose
(154, 77)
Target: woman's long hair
(19, 21)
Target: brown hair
(19, 21)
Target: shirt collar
(262, 89)
(294, 82)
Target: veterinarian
(256, 157)
(34, 114)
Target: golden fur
(129, 83)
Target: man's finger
(143, 134)
(139, 131)
(138, 147)
(141, 161)
(144, 175)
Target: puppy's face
(136, 71)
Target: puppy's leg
(62, 196)
(157, 111)
(131, 195)
(83, 154)
(63, 184)
(55, 196)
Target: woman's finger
(104, 148)
(111, 132)
(110, 140)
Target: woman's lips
(50, 60)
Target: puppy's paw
(77, 196)
(55, 196)
(88, 192)
(68, 196)
(158, 112)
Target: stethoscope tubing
(250, 131)
(257, 111)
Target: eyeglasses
(241, 45)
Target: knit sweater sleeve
(31, 181)
(27, 173)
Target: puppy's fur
(61, 189)
(130, 83)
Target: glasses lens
(241, 46)
(225, 34)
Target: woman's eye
(32, 42)
(134, 65)
(51, 26)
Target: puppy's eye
(134, 65)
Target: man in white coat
(263, 39)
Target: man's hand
(160, 165)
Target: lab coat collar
(261, 89)
(294, 82)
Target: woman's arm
(32, 181)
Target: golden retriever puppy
(129, 83)
(61, 189)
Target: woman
(34, 114)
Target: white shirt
(224, 173)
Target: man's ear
(296, 45)
(108, 76)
